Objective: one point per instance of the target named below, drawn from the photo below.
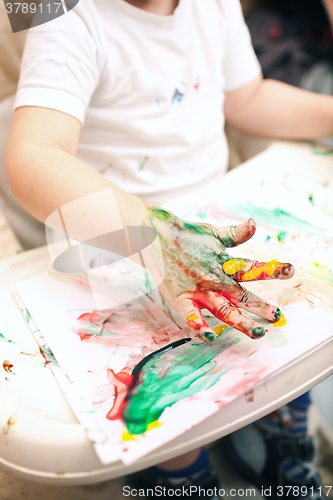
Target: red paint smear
(252, 352)
(246, 385)
(7, 379)
(7, 366)
(46, 361)
(121, 381)
(197, 84)
(297, 286)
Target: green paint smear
(6, 340)
(27, 315)
(277, 219)
(48, 355)
(321, 271)
(282, 236)
(202, 215)
(171, 377)
(142, 164)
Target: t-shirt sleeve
(240, 64)
(60, 66)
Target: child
(132, 95)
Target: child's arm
(199, 273)
(328, 4)
(273, 109)
(44, 173)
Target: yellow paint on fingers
(269, 268)
(233, 266)
(252, 274)
(193, 317)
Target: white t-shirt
(148, 89)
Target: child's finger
(191, 313)
(235, 235)
(252, 270)
(242, 298)
(228, 313)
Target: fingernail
(258, 332)
(210, 336)
(277, 314)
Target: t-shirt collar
(147, 20)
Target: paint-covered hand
(200, 274)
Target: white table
(40, 438)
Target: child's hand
(201, 274)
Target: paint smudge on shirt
(142, 164)
(177, 96)
(197, 84)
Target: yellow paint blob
(269, 268)
(193, 317)
(12, 420)
(219, 329)
(252, 274)
(280, 322)
(153, 425)
(127, 436)
(233, 266)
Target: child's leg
(276, 451)
(190, 471)
(180, 462)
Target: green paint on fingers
(160, 214)
(258, 332)
(277, 314)
(210, 336)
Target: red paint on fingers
(218, 305)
